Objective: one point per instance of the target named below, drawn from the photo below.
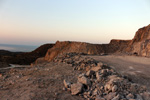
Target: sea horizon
(17, 48)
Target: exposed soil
(42, 82)
(45, 81)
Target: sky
(36, 22)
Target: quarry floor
(41, 82)
(45, 81)
(136, 68)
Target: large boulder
(76, 88)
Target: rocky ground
(101, 82)
(70, 76)
(42, 82)
(135, 67)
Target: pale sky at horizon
(35, 22)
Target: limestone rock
(90, 73)
(96, 68)
(82, 79)
(76, 88)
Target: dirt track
(137, 68)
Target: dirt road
(136, 68)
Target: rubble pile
(77, 61)
(100, 82)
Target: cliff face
(86, 48)
(120, 45)
(140, 44)
(65, 47)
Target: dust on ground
(42, 82)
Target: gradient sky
(35, 22)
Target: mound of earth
(8, 53)
(25, 58)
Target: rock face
(140, 44)
(120, 45)
(86, 48)
(65, 47)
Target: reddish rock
(76, 88)
(140, 44)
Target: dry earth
(45, 81)
(42, 82)
(137, 68)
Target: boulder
(97, 68)
(76, 88)
(90, 73)
(84, 80)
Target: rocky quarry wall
(139, 45)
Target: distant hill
(24, 58)
(17, 48)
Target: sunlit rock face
(140, 44)
(86, 48)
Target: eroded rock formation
(140, 44)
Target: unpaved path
(136, 68)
